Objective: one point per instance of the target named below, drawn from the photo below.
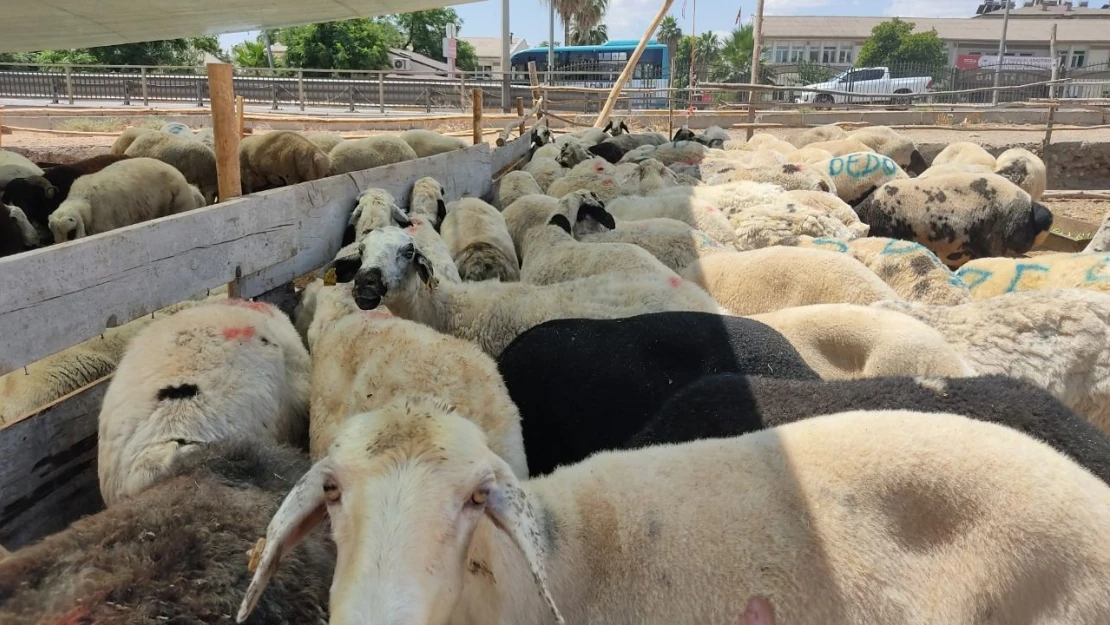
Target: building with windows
(836, 41)
(488, 51)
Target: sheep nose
(368, 289)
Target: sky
(627, 19)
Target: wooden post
(534, 81)
(224, 126)
(144, 86)
(381, 91)
(1047, 134)
(1, 125)
(670, 113)
(1055, 60)
(757, 47)
(240, 112)
(69, 84)
(462, 92)
(520, 113)
(751, 115)
(477, 97)
(300, 87)
(633, 59)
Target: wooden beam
(322, 207)
(240, 112)
(503, 136)
(1067, 194)
(534, 81)
(225, 127)
(48, 477)
(476, 96)
(58, 296)
(520, 112)
(633, 59)
(506, 158)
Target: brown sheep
(280, 158)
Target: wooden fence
(61, 295)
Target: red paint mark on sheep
(261, 307)
(241, 333)
(674, 281)
(599, 167)
(77, 616)
(378, 314)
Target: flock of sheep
(695, 380)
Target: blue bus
(599, 66)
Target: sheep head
(386, 262)
(571, 154)
(375, 209)
(66, 223)
(34, 194)
(405, 487)
(587, 211)
(428, 201)
(684, 134)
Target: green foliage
(166, 52)
(593, 37)
(734, 61)
(349, 44)
(894, 44)
(810, 72)
(250, 54)
(669, 33)
(466, 57)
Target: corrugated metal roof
(949, 29)
(29, 25)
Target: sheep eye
(331, 490)
(265, 341)
(408, 252)
(478, 497)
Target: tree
(567, 9)
(593, 37)
(250, 54)
(669, 34)
(424, 31)
(893, 43)
(349, 44)
(466, 57)
(164, 52)
(734, 60)
(810, 72)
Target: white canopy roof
(29, 25)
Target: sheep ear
(304, 507)
(399, 216)
(510, 509)
(425, 270)
(758, 612)
(441, 212)
(346, 267)
(597, 213)
(561, 221)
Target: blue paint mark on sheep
(836, 244)
(973, 277)
(896, 246)
(871, 163)
(1019, 271)
(1096, 273)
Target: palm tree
(670, 34)
(249, 54)
(587, 28)
(567, 9)
(734, 61)
(593, 37)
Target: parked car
(871, 83)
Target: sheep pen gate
(58, 296)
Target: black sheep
(39, 196)
(611, 152)
(720, 406)
(177, 553)
(13, 237)
(585, 385)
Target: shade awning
(30, 25)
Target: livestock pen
(58, 296)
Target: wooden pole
(1047, 134)
(534, 81)
(224, 126)
(633, 59)
(757, 47)
(751, 116)
(1, 125)
(240, 112)
(1055, 60)
(477, 97)
(670, 113)
(520, 113)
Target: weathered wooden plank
(509, 153)
(48, 474)
(324, 206)
(58, 296)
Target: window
(845, 56)
(871, 74)
(1078, 58)
(828, 54)
(814, 54)
(797, 53)
(781, 53)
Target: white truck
(872, 84)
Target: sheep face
(426, 193)
(588, 211)
(541, 136)
(387, 260)
(571, 154)
(66, 224)
(405, 488)
(376, 209)
(684, 134)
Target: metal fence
(647, 88)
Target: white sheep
(790, 176)
(758, 281)
(479, 241)
(858, 174)
(391, 270)
(846, 341)
(672, 242)
(946, 169)
(375, 209)
(513, 186)
(551, 150)
(195, 161)
(913, 271)
(596, 175)
(123, 193)
(545, 170)
(841, 147)
(126, 138)
(965, 152)
(764, 141)
(378, 210)
(825, 204)
(207, 136)
(808, 155)
(990, 277)
(590, 136)
(571, 153)
(535, 211)
(963, 521)
(326, 141)
(430, 143)
(698, 213)
(1058, 340)
(829, 132)
(767, 225)
(280, 158)
(1023, 168)
(178, 129)
(552, 255)
(14, 165)
(378, 151)
(201, 375)
(732, 196)
(889, 143)
(361, 360)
